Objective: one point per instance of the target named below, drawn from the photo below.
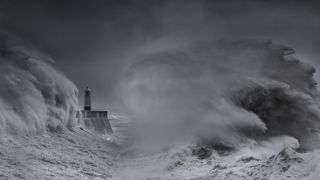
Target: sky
(93, 40)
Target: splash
(33, 95)
(224, 92)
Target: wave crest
(226, 92)
(33, 95)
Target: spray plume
(224, 92)
(33, 95)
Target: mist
(34, 96)
(180, 89)
(93, 41)
(223, 92)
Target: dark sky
(91, 40)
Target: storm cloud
(93, 41)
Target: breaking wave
(225, 92)
(33, 95)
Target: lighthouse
(87, 99)
(94, 120)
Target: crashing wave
(225, 92)
(33, 95)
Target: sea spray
(34, 96)
(223, 92)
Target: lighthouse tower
(94, 120)
(87, 99)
